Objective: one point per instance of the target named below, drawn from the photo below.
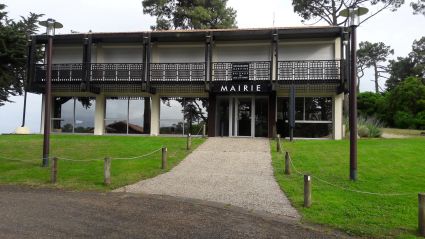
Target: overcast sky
(397, 29)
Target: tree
(328, 10)
(14, 36)
(373, 55)
(418, 7)
(412, 65)
(193, 14)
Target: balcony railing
(258, 71)
(177, 72)
(309, 72)
(289, 72)
(97, 72)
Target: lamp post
(353, 13)
(50, 25)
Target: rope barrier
(87, 160)
(344, 188)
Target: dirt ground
(49, 213)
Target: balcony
(110, 75)
(310, 72)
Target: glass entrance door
(244, 116)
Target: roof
(193, 35)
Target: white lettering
(232, 88)
(258, 88)
(223, 88)
(245, 88)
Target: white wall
(67, 54)
(121, 54)
(178, 53)
(306, 51)
(241, 52)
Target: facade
(237, 82)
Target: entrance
(242, 116)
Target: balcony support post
(208, 60)
(86, 68)
(146, 62)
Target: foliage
(14, 36)
(385, 166)
(412, 65)
(371, 104)
(183, 14)
(328, 10)
(369, 127)
(87, 175)
(418, 7)
(373, 55)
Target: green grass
(384, 166)
(87, 175)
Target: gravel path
(235, 171)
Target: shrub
(404, 120)
(369, 127)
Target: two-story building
(236, 81)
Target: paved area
(235, 171)
(44, 213)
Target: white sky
(397, 29)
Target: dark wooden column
(272, 114)
(86, 68)
(31, 61)
(211, 114)
(146, 62)
(208, 61)
(147, 116)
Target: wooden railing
(311, 72)
(258, 70)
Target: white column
(155, 110)
(43, 107)
(337, 116)
(99, 116)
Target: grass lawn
(384, 166)
(87, 175)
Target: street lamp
(353, 14)
(50, 25)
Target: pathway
(235, 171)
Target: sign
(241, 88)
(240, 71)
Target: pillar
(155, 114)
(272, 114)
(337, 116)
(211, 114)
(99, 117)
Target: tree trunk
(375, 67)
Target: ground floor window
(183, 115)
(73, 114)
(313, 117)
(127, 115)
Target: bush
(420, 120)
(369, 127)
(404, 120)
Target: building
(236, 81)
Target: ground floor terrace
(222, 112)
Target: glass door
(261, 117)
(243, 114)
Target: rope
(344, 188)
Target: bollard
(307, 191)
(164, 158)
(278, 149)
(287, 163)
(204, 130)
(54, 170)
(107, 171)
(421, 214)
(189, 142)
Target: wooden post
(421, 214)
(204, 130)
(107, 171)
(278, 149)
(287, 163)
(189, 142)
(54, 170)
(164, 158)
(307, 191)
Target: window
(73, 114)
(126, 115)
(183, 115)
(313, 117)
